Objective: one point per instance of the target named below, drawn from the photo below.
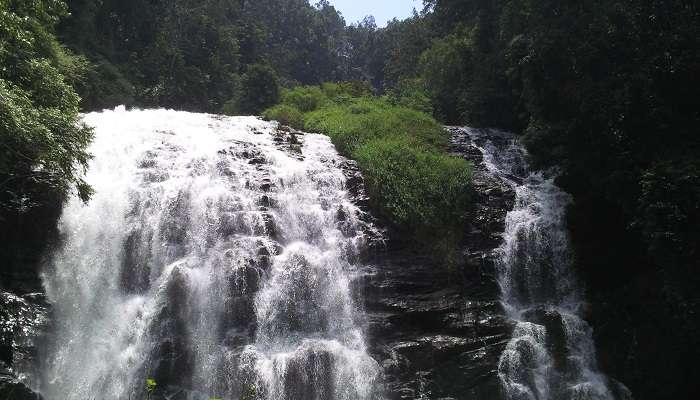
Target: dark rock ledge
(439, 333)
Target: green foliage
(44, 143)
(401, 151)
(423, 191)
(442, 68)
(285, 115)
(404, 42)
(602, 89)
(104, 85)
(191, 55)
(354, 123)
(150, 387)
(260, 89)
(305, 98)
(411, 93)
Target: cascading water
(216, 258)
(551, 355)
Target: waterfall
(551, 355)
(216, 258)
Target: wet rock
(439, 333)
(12, 388)
(266, 185)
(240, 312)
(264, 263)
(256, 161)
(267, 201)
(309, 375)
(135, 271)
(246, 279)
(556, 332)
(270, 227)
(171, 358)
(23, 319)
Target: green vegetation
(401, 151)
(603, 90)
(43, 142)
(199, 55)
(259, 89)
(151, 386)
(286, 115)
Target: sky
(382, 10)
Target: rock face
(22, 319)
(12, 388)
(24, 238)
(439, 333)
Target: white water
(214, 258)
(551, 355)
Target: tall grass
(410, 179)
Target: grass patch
(285, 115)
(420, 190)
(411, 180)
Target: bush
(401, 151)
(260, 89)
(364, 119)
(411, 93)
(285, 115)
(304, 98)
(422, 191)
(349, 89)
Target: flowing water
(551, 355)
(215, 258)
(218, 255)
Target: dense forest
(604, 91)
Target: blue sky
(382, 10)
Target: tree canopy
(43, 142)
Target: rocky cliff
(437, 331)
(24, 237)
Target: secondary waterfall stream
(215, 258)
(551, 355)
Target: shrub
(285, 115)
(410, 180)
(347, 89)
(401, 151)
(350, 125)
(259, 90)
(304, 98)
(418, 190)
(411, 93)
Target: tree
(44, 144)
(259, 89)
